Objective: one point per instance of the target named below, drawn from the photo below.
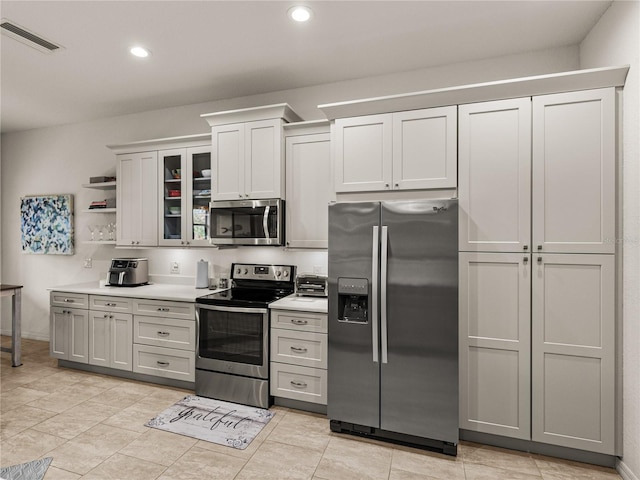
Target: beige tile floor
(93, 427)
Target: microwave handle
(265, 222)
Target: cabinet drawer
(164, 362)
(299, 348)
(294, 320)
(161, 308)
(299, 383)
(71, 300)
(110, 304)
(165, 332)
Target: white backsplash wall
(60, 159)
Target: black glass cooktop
(245, 297)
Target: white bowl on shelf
(206, 172)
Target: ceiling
(211, 50)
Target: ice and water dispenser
(353, 300)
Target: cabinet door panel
(263, 159)
(573, 350)
(308, 188)
(79, 336)
(574, 172)
(137, 194)
(495, 343)
(495, 176)
(121, 341)
(199, 195)
(227, 162)
(363, 153)
(173, 208)
(58, 331)
(99, 339)
(425, 149)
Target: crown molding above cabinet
(481, 92)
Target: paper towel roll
(202, 274)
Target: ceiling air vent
(28, 38)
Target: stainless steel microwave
(247, 222)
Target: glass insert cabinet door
(185, 175)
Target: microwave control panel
(277, 273)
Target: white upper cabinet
(424, 149)
(247, 152)
(263, 159)
(495, 176)
(137, 195)
(363, 153)
(184, 195)
(574, 172)
(247, 160)
(396, 151)
(308, 162)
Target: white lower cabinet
(110, 340)
(110, 332)
(573, 346)
(69, 338)
(152, 337)
(495, 349)
(164, 339)
(537, 348)
(299, 356)
(164, 362)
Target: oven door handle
(219, 308)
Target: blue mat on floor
(35, 470)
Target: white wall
(615, 40)
(60, 159)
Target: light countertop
(154, 291)
(305, 304)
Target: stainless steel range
(232, 359)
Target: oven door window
(232, 336)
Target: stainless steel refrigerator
(393, 321)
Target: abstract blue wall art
(46, 223)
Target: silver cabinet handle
(295, 321)
(105, 316)
(110, 304)
(163, 334)
(539, 260)
(525, 247)
(539, 247)
(383, 291)
(68, 300)
(298, 384)
(299, 349)
(374, 293)
(162, 309)
(162, 364)
(526, 260)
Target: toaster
(313, 285)
(128, 272)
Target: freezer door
(419, 323)
(353, 375)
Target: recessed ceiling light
(139, 52)
(300, 13)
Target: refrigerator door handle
(374, 292)
(383, 292)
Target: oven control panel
(277, 273)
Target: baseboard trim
(27, 335)
(625, 472)
(583, 456)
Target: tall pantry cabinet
(537, 268)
